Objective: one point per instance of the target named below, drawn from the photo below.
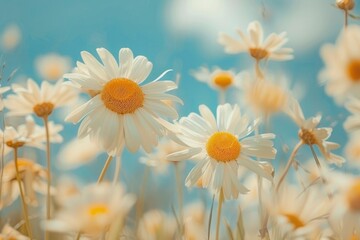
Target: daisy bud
(345, 4)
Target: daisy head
(341, 75)
(346, 5)
(52, 66)
(93, 210)
(122, 109)
(221, 145)
(271, 48)
(39, 100)
(217, 78)
(310, 134)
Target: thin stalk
(320, 169)
(346, 16)
(2, 154)
(24, 206)
(117, 169)
(179, 186)
(140, 203)
(222, 96)
(221, 199)
(210, 217)
(48, 162)
(104, 170)
(288, 165)
(258, 71)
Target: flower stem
(222, 96)
(210, 216)
(346, 16)
(179, 186)
(48, 162)
(288, 165)
(221, 199)
(258, 71)
(140, 202)
(25, 210)
(104, 170)
(320, 169)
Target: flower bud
(345, 4)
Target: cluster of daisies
(233, 158)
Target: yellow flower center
(122, 96)
(294, 220)
(98, 209)
(353, 70)
(354, 237)
(223, 80)
(22, 162)
(353, 196)
(258, 53)
(43, 109)
(223, 147)
(307, 137)
(53, 72)
(267, 98)
(14, 144)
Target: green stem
(48, 162)
(221, 199)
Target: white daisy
(92, 211)
(352, 123)
(52, 66)
(10, 37)
(271, 48)
(310, 134)
(38, 100)
(217, 78)
(341, 75)
(221, 145)
(158, 158)
(121, 111)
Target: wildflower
(52, 66)
(40, 101)
(121, 111)
(271, 48)
(11, 37)
(217, 78)
(220, 146)
(158, 158)
(78, 152)
(92, 211)
(341, 75)
(155, 225)
(346, 5)
(33, 177)
(298, 214)
(310, 134)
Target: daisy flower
(299, 214)
(38, 100)
(264, 97)
(52, 66)
(155, 225)
(121, 110)
(92, 211)
(341, 75)
(310, 134)
(352, 123)
(158, 158)
(271, 48)
(345, 5)
(221, 145)
(33, 177)
(217, 78)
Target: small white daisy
(254, 44)
(217, 78)
(52, 66)
(310, 134)
(92, 211)
(221, 145)
(121, 110)
(341, 75)
(38, 100)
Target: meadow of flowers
(230, 175)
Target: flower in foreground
(341, 75)
(40, 101)
(310, 134)
(271, 48)
(121, 110)
(92, 211)
(52, 66)
(221, 145)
